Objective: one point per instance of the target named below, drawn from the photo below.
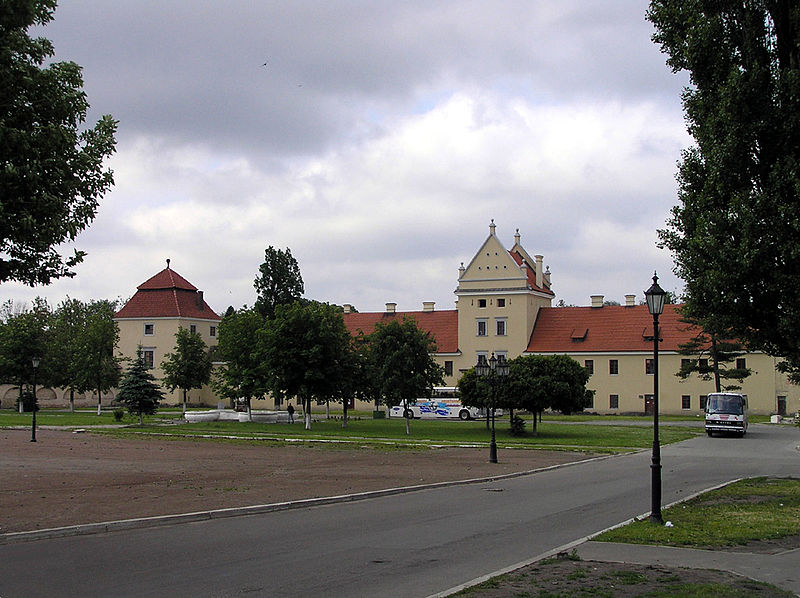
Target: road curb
(179, 518)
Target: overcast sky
(377, 143)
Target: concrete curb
(165, 520)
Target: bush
(517, 426)
(119, 413)
(27, 401)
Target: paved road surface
(408, 545)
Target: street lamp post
(655, 297)
(35, 363)
(494, 368)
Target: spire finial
(167, 263)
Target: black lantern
(656, 297)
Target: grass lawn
(754, 509)
(363, 429)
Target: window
(589, 365)
(648, 367)
(481, 302)
(703, 399)
(149, 357)
(501, 327)
(686, 402)
(482, 324)
(741, 363)
(483, 357)
(686, 364)
(702, 364)
(613, 401)
(193, 328)
(213, 331)
(591, 401)
(501, 303)
(613, 367)
(448, 368)
(149, 329)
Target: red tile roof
(167, 295)
(531, 274)
(606, 329)
(443, 325)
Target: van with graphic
(726, 413)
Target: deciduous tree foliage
(189, 366)
(23, 336)
(278, 281)
(307, 353)
(51, 171)
(138, 390)
(64, 346)
(404, 366)
(241, 375)
(734, 232)
(98, 368)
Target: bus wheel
(709, 433)
(463, 415)
(408, 414)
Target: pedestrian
(290, 409)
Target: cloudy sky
(377, 143)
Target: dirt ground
(70, 478)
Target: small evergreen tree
(138, 390)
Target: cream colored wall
(631, 384)
(131, 336)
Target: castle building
(151, 318)
(504, 306)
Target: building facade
(504, 306)
(151, 319)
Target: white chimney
(539, 273)
(428, 306)
(597, 301)
(348, 309)
(492, 226)
(391, 308)
(461, 271)
(630, 300)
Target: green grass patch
(749, 510)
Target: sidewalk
(782, 569)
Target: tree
(51, 174)
(241, 375)
(97, 367)
(64, 347)
(23, 336)
(279, 281)
(404, 366)
(306, 352)
(733, 233)
(538, 382)
(189, 366)
(719, 353)
(138, 390)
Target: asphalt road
(412, 544)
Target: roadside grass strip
(762, 509)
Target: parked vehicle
(726, 412)
(443, 403)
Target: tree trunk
(249, 410)
(184, 402)
(307, 413)
(71, 400)
(408, 419)
(535, 427)
(344, 413)
(141, 419)
(99, 400)
(715, 363)
(327, 408)
(21, 406)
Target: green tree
(189, 366)
(98, 368)
(539, 382)
(23, 336)
(710, 358)
(51, 172)
(306, 352)
(241, 375)
(64, 346)
(733, 233)
(278, 281)
(138, 390)
(404, 366)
